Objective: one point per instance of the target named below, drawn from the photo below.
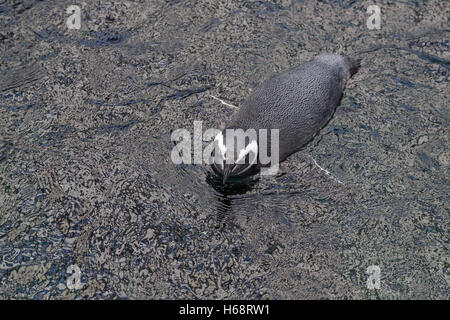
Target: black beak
(227, 171)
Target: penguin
(298, 102)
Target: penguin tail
(354, 65)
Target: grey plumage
(298, 102)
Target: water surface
(86, 177)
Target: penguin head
(235, 157)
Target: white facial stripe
(248, 167)
(222, 148)
(252, 146)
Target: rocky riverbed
(92, 207)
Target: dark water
(86, 177)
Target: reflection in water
(224, 193)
